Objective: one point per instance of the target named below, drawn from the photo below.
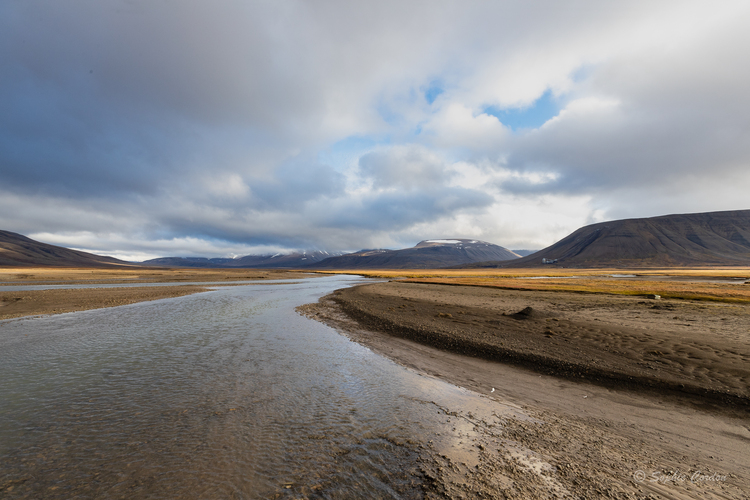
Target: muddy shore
(596, 434)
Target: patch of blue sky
(433, 91)
(347, 151)
(391, 108)
(389, 116)
(583, 72)
(527, 117)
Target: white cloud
(114, 245)
(231, 185)
(586, 108)
(180, 121)
(456, 125)
(409, 166)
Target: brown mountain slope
(712, 238)
(19, 251)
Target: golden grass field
(675, 283)
(724, 272)
(40, 275)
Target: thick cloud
(407, 167)
(142, 128)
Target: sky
(141, 129)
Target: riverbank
(698, 349)
(39, 302)
(599, 441)
(68, 275)
(16, 304)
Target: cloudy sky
(181, 127)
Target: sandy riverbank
(42, 275)
(699, 349)
(595, 436)
(38, 302)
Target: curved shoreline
(558, 338)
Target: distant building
(549, 261)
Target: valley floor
(633, 396)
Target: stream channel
(224, 394)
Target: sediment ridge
(684, 348)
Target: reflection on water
(227, 394)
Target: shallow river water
(224, 394)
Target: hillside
(276, 261)
(429, 254)
(19, 251)
(712, 238)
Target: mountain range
(277, 261)
(428, 254)
(19, 251)
(710, 238)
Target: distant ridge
(270, 261)
(524, 253)
(711, 238)
(19, 251)
(428, 254)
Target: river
(223, 394)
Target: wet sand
(633, 397)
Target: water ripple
(229, 394)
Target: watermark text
(677, 476)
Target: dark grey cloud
(295, 184)
(395, 211)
